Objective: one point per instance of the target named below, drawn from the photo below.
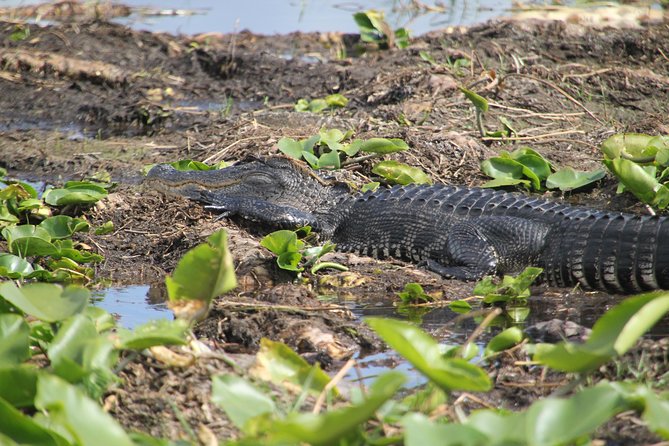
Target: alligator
(459, 232)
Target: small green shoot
(374, 29)
(413, 293)
(395, 172)
(321, 104)
(511, 288)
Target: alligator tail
(615, 252)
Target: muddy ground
(86, 97)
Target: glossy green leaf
(413, 293)
(332, 138)
(68, 408)
(63, 226)
(636, 146)
(157, 332)
(22, 430)
(204, 272)
(399, 173)
(498, 167)
(420, 431)
(276, 362)
(334, 426)
(48, 302)
(535, 163)
(14, 267)
(371, 186)
(14, 339)
(504, 340)
(613, 334)
(74, 193)
(29, 240)
(311, 159)
(18, 385)
(105, 228)
(425, 354)
(460, 306)
(281, 241)
(240, 400)
(479, 101)
(569, 179)
(639, 181)
(336, 100)
(383, 145)
(78, 353)
(290, 147)
(555, 421)
(505, 182)
(329, 159)
(188, 165)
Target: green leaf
(22, 430)
(14, 339)
(158, 332)
(413, 293)
(537, 164)
(240, 400)
(188, 165)
(569, 179)
(383, 145)
(460, 306)
(311, 159)
(371, 186)
(204, 272)
(498, 167)
(334, 426)
(302, 105)
(290, 147)
(479, 101)
(45, 301)
(18, 385)
(29, 240)
(425, 354)
(399, 173)
(420, 431)
(336, 100)
(106, 228)
(563, 421)
(504, 182)
(63, 226)
(329, 159)
(281, 241)
(74, 193)
(77, 351)
(504, 340)
(332, 138)
(639, 181)
(427, 57)
(68, 408)
(402, 38)
(276, 362)
(14, 267)
(636, 146)
(613, 334)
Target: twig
(482, 326)
(559, 90)
(221, 153)
(526, 138)
(333, 382)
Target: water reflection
(133, 305)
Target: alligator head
(253, 186)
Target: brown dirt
(80, 98)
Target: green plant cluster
(374, 29)
(641, 164)
(45, 251)
(331, 147)
(293, 253)
(528, 168)
(319, 105)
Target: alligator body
(462, 233)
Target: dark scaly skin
(462, 233)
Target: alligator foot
(465, 273)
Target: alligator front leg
(469, 254)
(264, 212)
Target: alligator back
(575, 245)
